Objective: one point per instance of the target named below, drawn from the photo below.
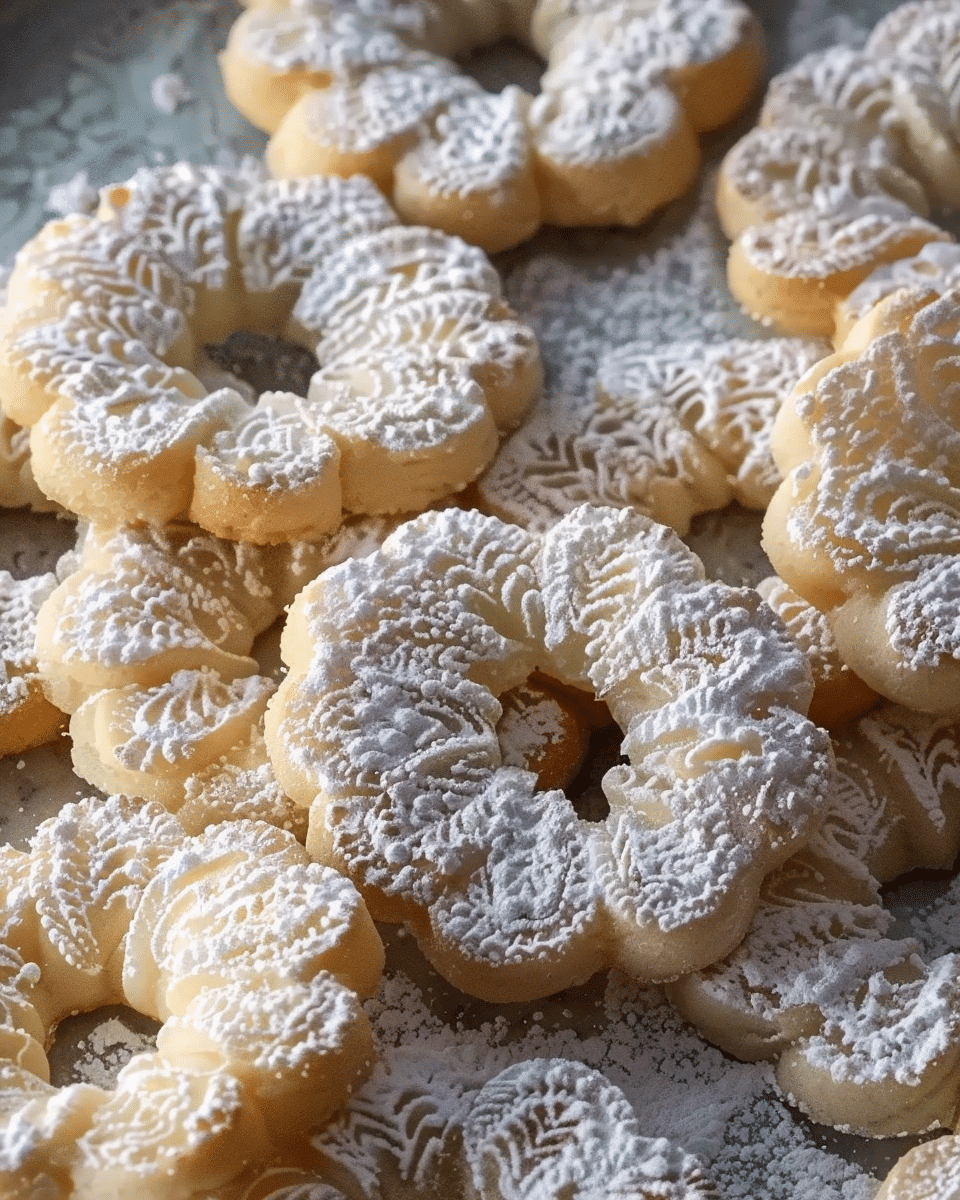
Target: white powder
(106, 1049)
(444, 1047)
(168, 92)
(74, 195)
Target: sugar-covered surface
(78, 108)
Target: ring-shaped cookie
(853, 149)
(349, 86)
(386, 726)
(107, 318)
(864, 1029)
(671, 432)
(147, 641)
(866, 525)
(251, 956)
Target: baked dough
(106, 321)
(854, 149)
(839, 695)
(385, 725)
(865, 1030)
(866, 525)
(927, 1172)
(369, 87)
(263, 1035)
(148, 643)
(541, 1127)
(671, 432)
(27, 717)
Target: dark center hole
(584, 791)
(265, 362)
(92, 1047)
(914, 891)
(504, 62)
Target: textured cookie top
(27, 717)
(346, 86)
(550, 1125)
(885, 121)
(864, 1028)
(148, 641)
(774, 170)
(241, 903)
(325, 40)
(925, 1172)
(839, 79)
(925, 30)
(108, 322)
(672, 432)
(386, 724)
(256, 954)
(540, 1127)
(936, 267)
(811, 243)
(479, 144)
(20, 600)
(839, 695)
(865, 524)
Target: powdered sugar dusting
(109, 1046)
(74, 195)
(881, 1019)
(725, 1113)
(671, 432)
(877, 498)
(457, 608)
(168, 92)
(181, 257)
(588, 301)
(767, 1153)
(622, 95)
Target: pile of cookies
(475, 587)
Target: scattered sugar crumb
(105, 1050)
(74, 195)
(168, 92)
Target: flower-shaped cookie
(542, 1127)
(108, 320)
(386, 726)
(670, 432)
(251, 956)
(147, 643)
(866, 525)
(351, 86)
(865, 1029)
(853, 149)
